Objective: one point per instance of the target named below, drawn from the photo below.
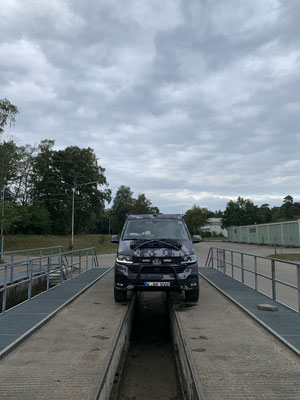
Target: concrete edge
(22, 338)
(191, 385)
(103, 387)
(282, 339)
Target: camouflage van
(156, 252)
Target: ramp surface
(235, 358)
(63, 359)
(285, 323)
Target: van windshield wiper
(138, 243)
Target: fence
(30, 253)
(277, 279)
(25, 273)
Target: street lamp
(2, 222)
(73, 204)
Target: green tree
(240, 212)
(288, 211)
(265, 213)
(56, 173)
(195, 218)
(8, 112)
(142, 205)
(123, 204)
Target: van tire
(192, 295)
(120, 295)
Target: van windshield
(155, 229)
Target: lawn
(286, 257)
(22, 242)
(215, 238)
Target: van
(156, 252)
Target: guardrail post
(242, 268)
(41, 255)
(60, 268)
(255, 272)
(87, 260)
(232, 267)
(11, 274)
(71, 265)
(4, 295)
(30, 281)
(80, 254)
(48, 273)
(298, 285)
(273, 279)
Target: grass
(286, 257)
(22, 242)
(214, 238)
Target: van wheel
(192, 295)
(120, 295)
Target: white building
(214, 226)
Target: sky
(187, 101)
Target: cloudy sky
(187, 101)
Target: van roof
(154, 216)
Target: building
(278, 233)
(214, 227)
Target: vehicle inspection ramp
(235, 358)
(284, 323)
(18, 322)
(66, 357)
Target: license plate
(157, 284)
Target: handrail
(43, 267)
(219, 255)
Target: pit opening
(149, 370)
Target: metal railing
(242, 266)
(56, 268)
(30, 253)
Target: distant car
(156, 252)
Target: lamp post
(2, 222)
(73, 205)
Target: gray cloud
(188, 101)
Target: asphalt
(19, 321)
(284, 323)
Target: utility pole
(73, 206)
(2, 222)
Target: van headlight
(189, 259)
(124, 259)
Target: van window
(155, 229)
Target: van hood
(126, 249)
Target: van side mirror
(114, 239)
(197, 238)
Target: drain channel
(150, 369)
(149, 358)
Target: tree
(195, 218)
(265, 213)
(240, 212)
(142, 205)
(8, 112)
(288, 211)
(56, 173)
(124, 203)
(288, 199)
